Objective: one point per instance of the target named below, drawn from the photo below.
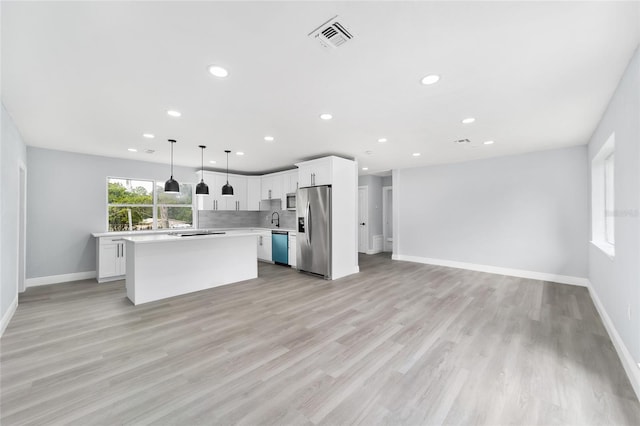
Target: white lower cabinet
(264, 246)
(292, 251)
(111, 258)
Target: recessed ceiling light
(430, 79)
(174, 113)
(269, 138)
(416, 154)
(239, 153)
(132, 150)
(326, 116)
(218, 71)
(212, 161)
(148, 135)
(365, 168)
(468, 120)
(488, 142)
(382, 140)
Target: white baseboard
(54, 279)
(630, 367)
(8, 315)
(521, 273)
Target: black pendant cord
(202, 163)
(172, 159)
(227, 166)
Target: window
(175, 210)
(139, 205)
(609, 210)
(603, 198)
(129, 204)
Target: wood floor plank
(399, 343)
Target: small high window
(603, 198)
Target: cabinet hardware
(269, 194)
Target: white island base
(162, 266)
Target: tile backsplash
(227, 219)
(287, 219)
(246, 219)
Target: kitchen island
(165, 265)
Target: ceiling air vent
(462, 141)
(332, 33)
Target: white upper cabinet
(253, 193)
(290, 181)
(315, 172)
(271, 186)
(238, 201)
(215, 200)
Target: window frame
(603, 210)
(154, 206)
(609, 199)
(157, 204)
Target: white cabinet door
(271, 187)
(239, 184)
(122, 260)
(111, 258)
(314, 173)
(264, 246)
(292, 251)
(238, 201)
(290, 182)
(253, 193)
(108, 256)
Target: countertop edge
(167, 231)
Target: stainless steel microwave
(291, 201)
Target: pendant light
(202, 188)
(227, 190)
(172, 185)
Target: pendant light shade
(227, 190)
(202, 188)
(172, 185)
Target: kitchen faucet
(277, 219)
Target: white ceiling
(91, 77)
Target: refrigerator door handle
(308, 223)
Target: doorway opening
(387, 218)
(363, 219)
(22, 225)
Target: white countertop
(161, 238)
(166, 231)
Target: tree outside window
(138, 205)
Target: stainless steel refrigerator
(313, 241)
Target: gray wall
(66, 202)
(374, 183)
(527, 212)
(387, 181)
(616, 281)
(12, 155)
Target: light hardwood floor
(399, 343)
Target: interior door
(363, 228)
